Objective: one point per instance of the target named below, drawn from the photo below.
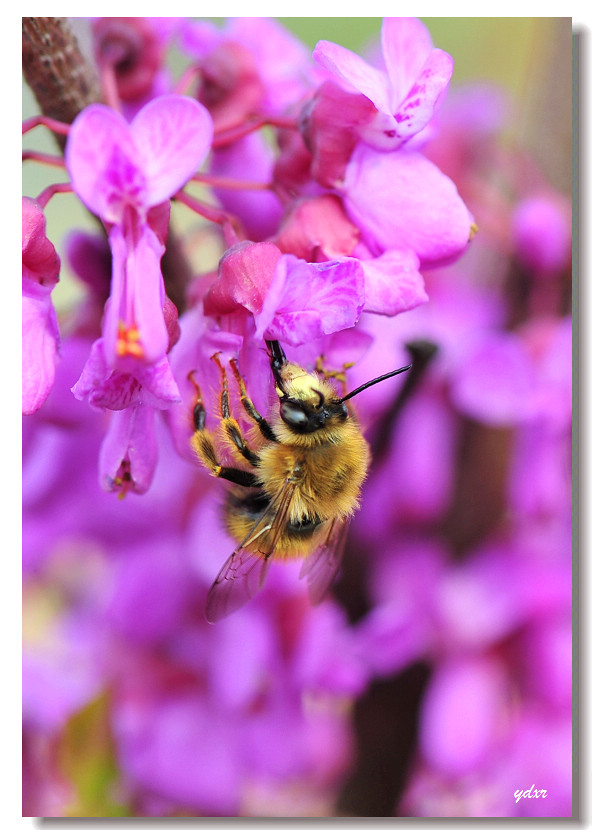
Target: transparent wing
(320, 568)
(240, 578)
(245, 571)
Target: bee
(307, 462)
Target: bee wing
(240, 578)
(320, 568)
(245, 571)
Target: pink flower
(401, 200)
(41, 267)
(290, 299)
(121, 171)
(406, 93)
(307, 300)
(251, 67)
(134, 48)
(129, 451)
(317, 229)
(258, 210)
(541, 228)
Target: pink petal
(259, 210)
(462, 714)
(40, 260)
(40, 345)
(244, 275)
(393, 283)
(130, 440)
(358, 75)
(101, 158)
(406, 45)
(306, 300)
(172, 134)
(317, 229)
(402, 200)
(496, 384)
(137, 298)
(418, 107)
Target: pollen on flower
(128, 341)
(123, 481)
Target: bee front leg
(204, 447)
(229, 424)
(249, 406)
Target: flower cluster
(335, 200)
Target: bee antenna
(372, 382)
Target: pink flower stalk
(406, 93)
(121, 171)
(41, 268)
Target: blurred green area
(530, 57)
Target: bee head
(312, 412)
(307, 403)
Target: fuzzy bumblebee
(303, 485)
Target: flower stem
(225, 137)
(51, 190)
(44, 158)
(40, 120)
(230, 184)
(230, 225)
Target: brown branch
(61, 79)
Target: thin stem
(186, 79)
(109, 87)
(51, 191)
(230, 184)
(230, 225)
(44, 158)
(229, 136)
(40, 120)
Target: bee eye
(293, 414)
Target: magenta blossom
(134, 49)
(406, 93)
(291, 300)
(251, 67)
(306, 300)
(121, 171)
(402, 200)
(541, 227)
(41, 268)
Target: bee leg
(337, 374)
(249, 406)
(228, 424)
(203, 445)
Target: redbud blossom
(41, 268)
(402, 200)
(406, 93)
(542, 234)
(134, 47)
(120, 171)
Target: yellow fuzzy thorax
(300, 384)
